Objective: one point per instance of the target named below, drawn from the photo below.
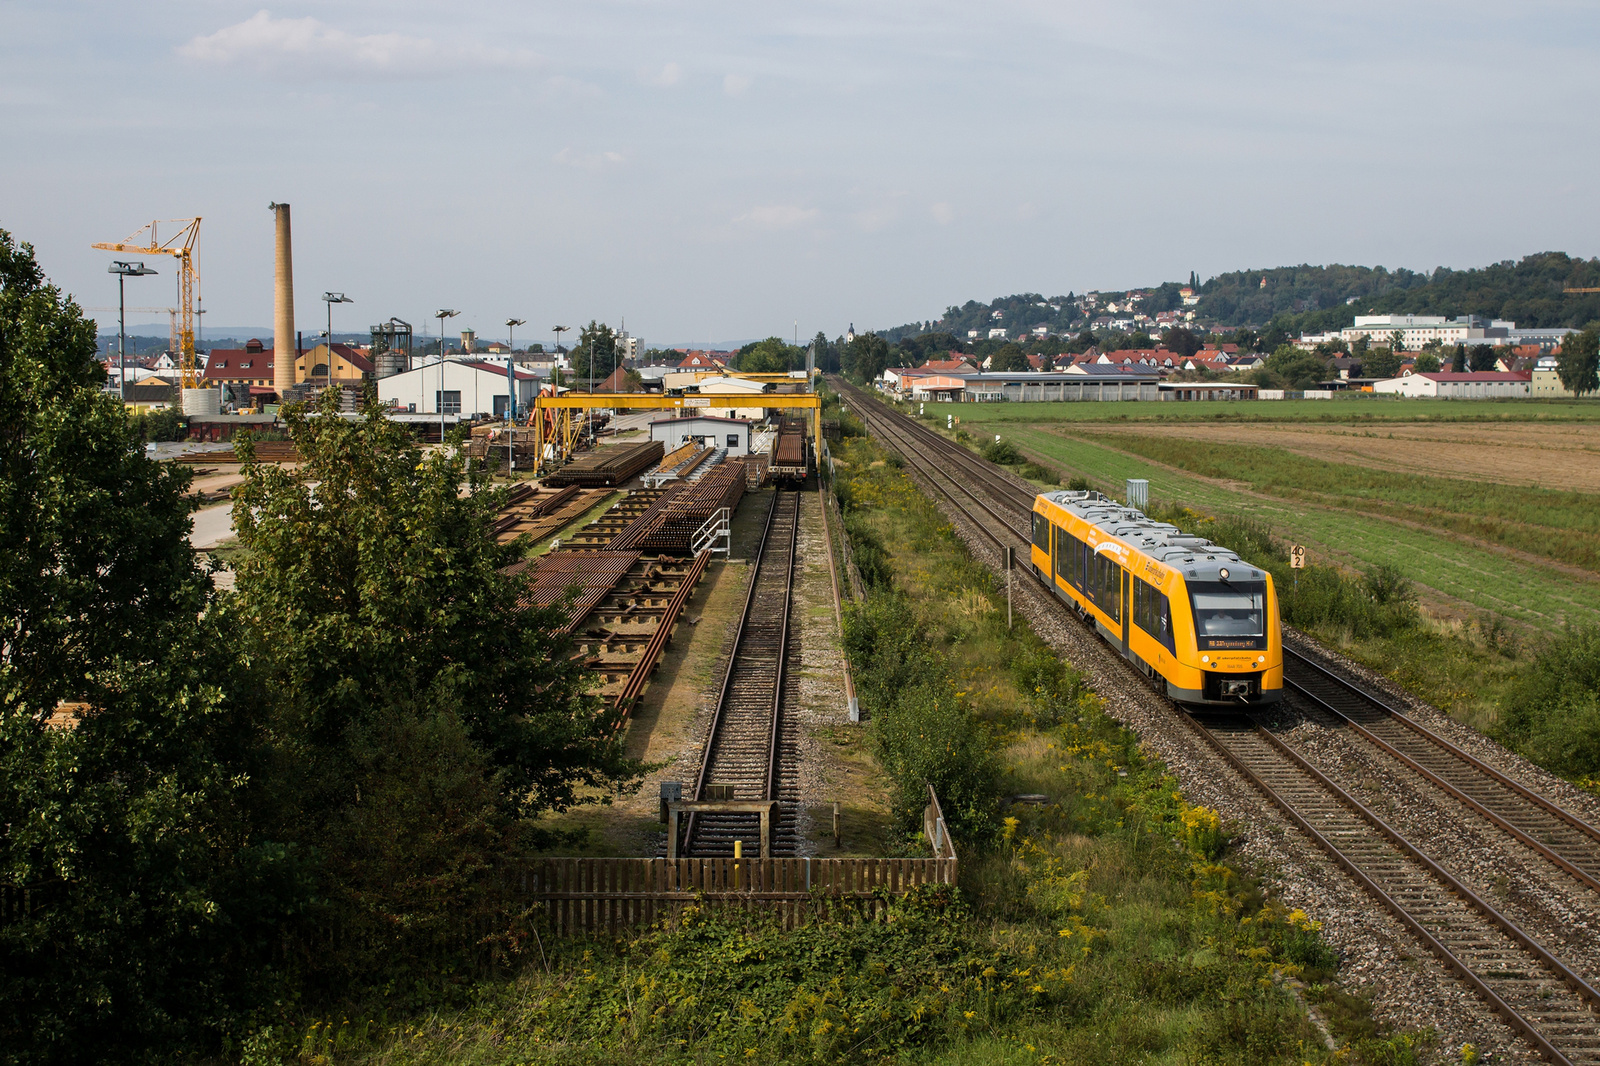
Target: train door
(1125, 587)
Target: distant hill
(1316, 298)
(1528, 292)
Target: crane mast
(182, 246)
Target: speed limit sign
(1297, 556)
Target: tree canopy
(1578, 365)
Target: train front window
(1229, 609)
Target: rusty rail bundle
(608, 466)
(671, 521)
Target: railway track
(745, 747)
(1521, 981)
(1568, 842)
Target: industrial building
(470, 388)
(1480, 385)
(734, 434)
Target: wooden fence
(611, 895)
(582, 896)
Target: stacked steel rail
(789, 451)
(267, 451)
(608, 466)
(744, 744)
(670, 523)
(1520, 979)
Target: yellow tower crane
(181, 245)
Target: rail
(742, 744)
(1427, 892)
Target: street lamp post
(442, 314)
(123, 271)
(511, 392)
(331, 298)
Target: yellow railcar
(1180, 608)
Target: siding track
(745, 747)
(1538, 994)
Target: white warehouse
(1479, 385)
(470, 388)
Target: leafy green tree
(1397, 341)
(1458, 361)
(1009, 360)
(1296, 369)
(1578, 364)
(596, 338)
(421, 718)
(1082, 342)
(1362, 343)
(866, 357)
(771, 356)
(1427, 363)
(825, 352)
(1481, 357)
(1181, 341)
(1140, 340)
(131, 903)
(1382, 363)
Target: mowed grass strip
(1564, 526)
(1350, 408)
(1482, 578)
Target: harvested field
(1549, 455)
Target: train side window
(1041, 532)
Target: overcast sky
(714, 171)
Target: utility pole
(442, 314)
(331, 298)
(123, 271)
(511, 393)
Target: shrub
(168, 424)
(1552, 714)
(1002, 452)
(923, 732)
(1078, 484)
(867, 548)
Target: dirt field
(1564, 456)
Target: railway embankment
(1409, 987)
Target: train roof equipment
(1195, 557)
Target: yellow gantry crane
(181, 245)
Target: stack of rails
(789, 452)
(678, 464)
(608, 466)
(267, 451)
(623, 609)
(537, 513)
(672, 521)
(553, 575)
(598, 535)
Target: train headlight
(1223, 573)
(1205, 658)
(1261, 658)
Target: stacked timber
(608, 466)
(669, 525)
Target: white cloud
(665, 78)
(943, 213)
(269, 43)
(588, 161)
(735, 84)
(778, 216)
